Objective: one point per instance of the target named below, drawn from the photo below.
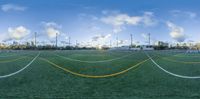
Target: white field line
(101, 61)
(170, 73)
(14, 73)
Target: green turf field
(97, 74)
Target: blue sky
(97, 22)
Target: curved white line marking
(11, 74)
(173, 74)
(109, 60)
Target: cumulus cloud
(176, 32)
(52, 28)
(121, 19)
(12, 7)
(52, 32)
(118, 21)
(18, 32)
(101, 37)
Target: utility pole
(131, 40)
(149, 39)
(56, 40)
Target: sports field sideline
(100, 74)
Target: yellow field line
(11, 60)
(94, 76)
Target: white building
(121, 48)
(146, 47)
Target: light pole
(149, 39)
(56, 40)
(35, 40)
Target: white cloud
(176, 32)
(18, 32)
(64, 36)
(101, 37)
(148, 19)
(4, 37)
(52, 28)
(12, 7)
(118, 21)
(51, 24)
(121, 19)
(179, 13)
(120, 42)
(145, 36)
(52, 32)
